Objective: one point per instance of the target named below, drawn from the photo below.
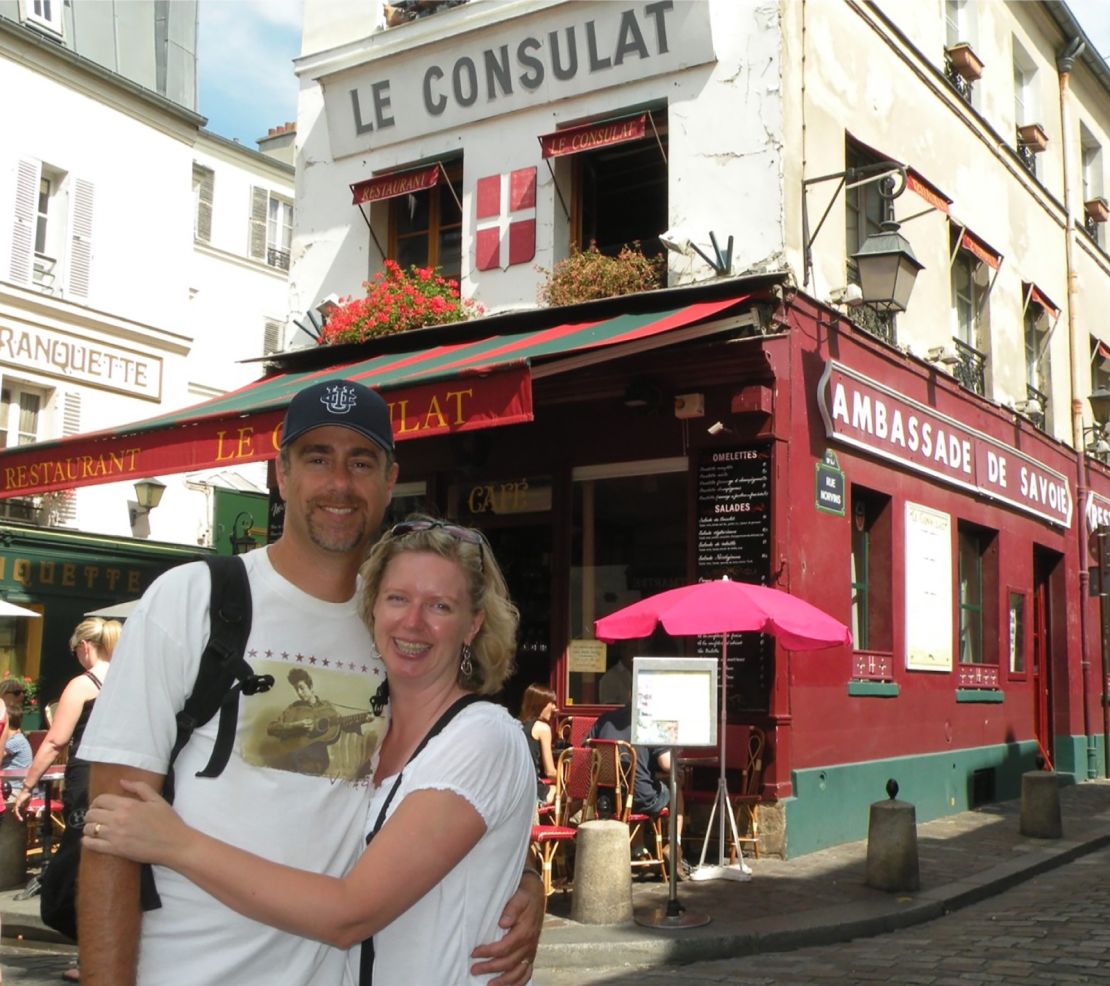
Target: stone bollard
(892, 844)
(602, 874)
(13, 851)
(1040, 805)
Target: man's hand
(514, 954)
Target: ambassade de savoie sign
(864, 413)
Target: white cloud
(245, 52)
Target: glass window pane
(1017, 632)
(629, 542)
(28, 418)
(411, 213)
(412, 250)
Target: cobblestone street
(1049, 931)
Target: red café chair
(617, 772)
(575, 783)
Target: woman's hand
(21, 800)
(143, 828)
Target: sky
(246, 49)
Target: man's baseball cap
(342, 403)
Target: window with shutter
(204, 182)
(79, 261)
(259, 207)
(271, 337)
(27, 179)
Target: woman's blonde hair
(494, 646)
(102, 634)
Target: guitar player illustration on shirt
(302, 736)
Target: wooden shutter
(259, 202)
(28, 174)
(206, 182)
(79, 261)
(271, 337)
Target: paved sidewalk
(815, 899)
(821, 898)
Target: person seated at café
(17, 748)
(537, 713)
(650, 792)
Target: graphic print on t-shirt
(317, 719)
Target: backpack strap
(222, 675)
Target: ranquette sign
(565, 50)
(862, 412)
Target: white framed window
(970, 278)
(1093, 187)
(44, 13)
(21, 414)
(959, 23)
(204, 182)
(271, 228)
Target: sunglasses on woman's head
(467, 535)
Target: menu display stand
(674, 704)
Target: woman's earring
(466, 666)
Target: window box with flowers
(587, 275)
(397, 300)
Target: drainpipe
(1064, 64)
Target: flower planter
(1097, 210)
(965, 61)
(1033, 137)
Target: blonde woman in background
(92, 644)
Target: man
(336, 473)
(650, 794)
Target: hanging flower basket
(1033, 137)
(966, 63)
(397, 300)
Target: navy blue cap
(341, 403)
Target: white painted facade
(120, 312)
(759, 95)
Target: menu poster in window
(928, 589)
(674, 701)
(734, 539)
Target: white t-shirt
(481, 755)
(295, 789)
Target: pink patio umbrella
(726, 607)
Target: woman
(537, 711)
(92, 644)
(456, 819)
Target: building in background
(929, 469)
(142, 260)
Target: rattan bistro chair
(575, 786)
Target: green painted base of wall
(832, 805)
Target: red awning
(449, 388)
(916, 182)
(588, 136)
(397, 183)
(1038, 297)
(980, 249)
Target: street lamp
(241, 539)
(1098, 445)
(148, 494)
(886, 261)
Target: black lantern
(241, 539)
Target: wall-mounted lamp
(719, 428)
(679, 241)
(1094, 436)
(241, 539)
(148, 494)
(945, 355)
(886, 262)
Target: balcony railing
(1028, 158)
(971, 370)
(875, 323)
(277, 258)
(957, 81)
(1039, 418)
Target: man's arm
(514, 954)
(108, 912)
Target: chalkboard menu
(734, 539)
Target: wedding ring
(96, 831)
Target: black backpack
(224, 673)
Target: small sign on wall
(587, 656)
(830, 485)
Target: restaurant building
(932, 476)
